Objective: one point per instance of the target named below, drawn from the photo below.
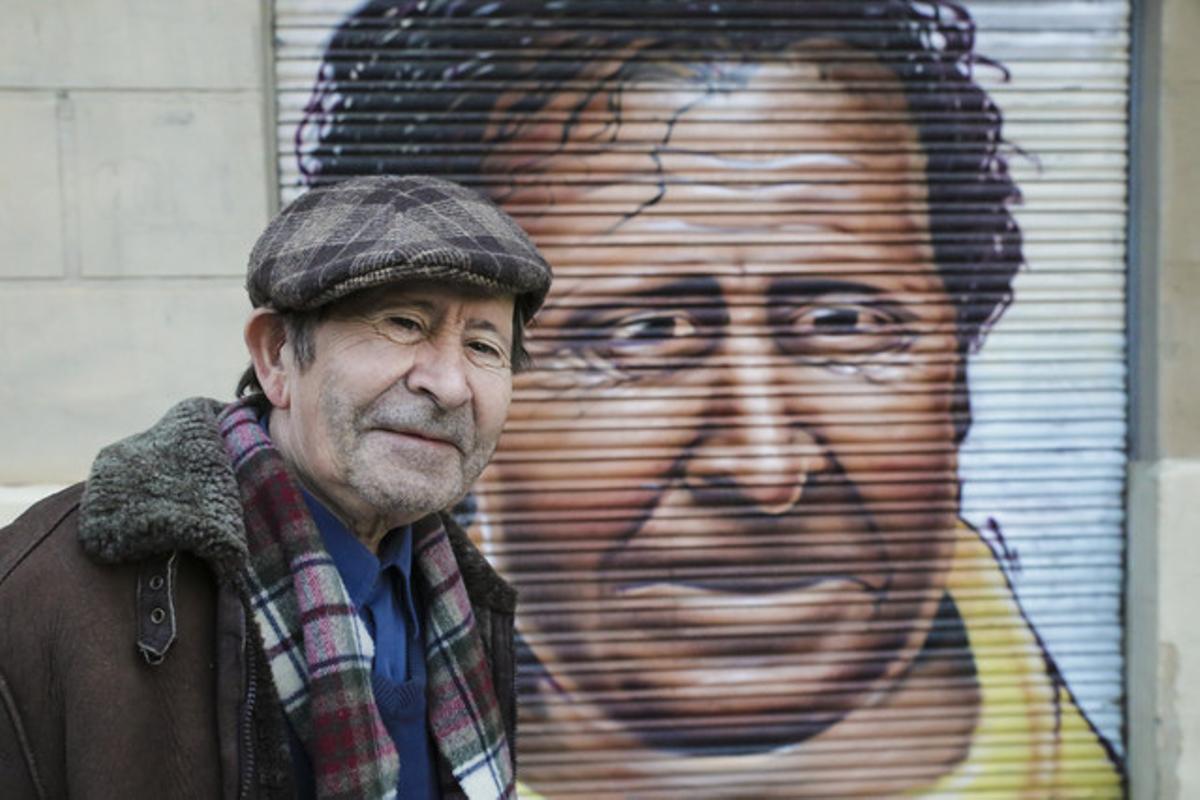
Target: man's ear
(265, 337)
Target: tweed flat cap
(368, 231)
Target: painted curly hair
(415, 86)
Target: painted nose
(751, 445)
(439, 370)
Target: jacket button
(156, 582)
(157, 616)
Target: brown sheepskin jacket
(129, 667)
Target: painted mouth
(741, 591)
(826, 602)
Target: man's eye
(403, 328)
(487, 354)
(405, 323)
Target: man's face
(404, 402)
(728, 492)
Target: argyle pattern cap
(368, 231)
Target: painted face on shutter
(728, 490)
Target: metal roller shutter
(815, 488)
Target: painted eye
(836, 320)
(641, 340)
(651, 330)
(649, 340)
(843, 330)
(631, 338)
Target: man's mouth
(421, 436)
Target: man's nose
(751, 444)
(439, 370)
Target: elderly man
(728, 492)
(266, 599)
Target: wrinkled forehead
(626, 98)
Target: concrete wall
(136, 174)
(1163, 637)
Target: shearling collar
(168, 488)
(172, 487)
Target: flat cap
(369, 231)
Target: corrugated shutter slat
(815, 488)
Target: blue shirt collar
(360, 569)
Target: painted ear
(265, 337)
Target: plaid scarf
(320, 652)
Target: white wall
(136, 175)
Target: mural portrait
(730, 491)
